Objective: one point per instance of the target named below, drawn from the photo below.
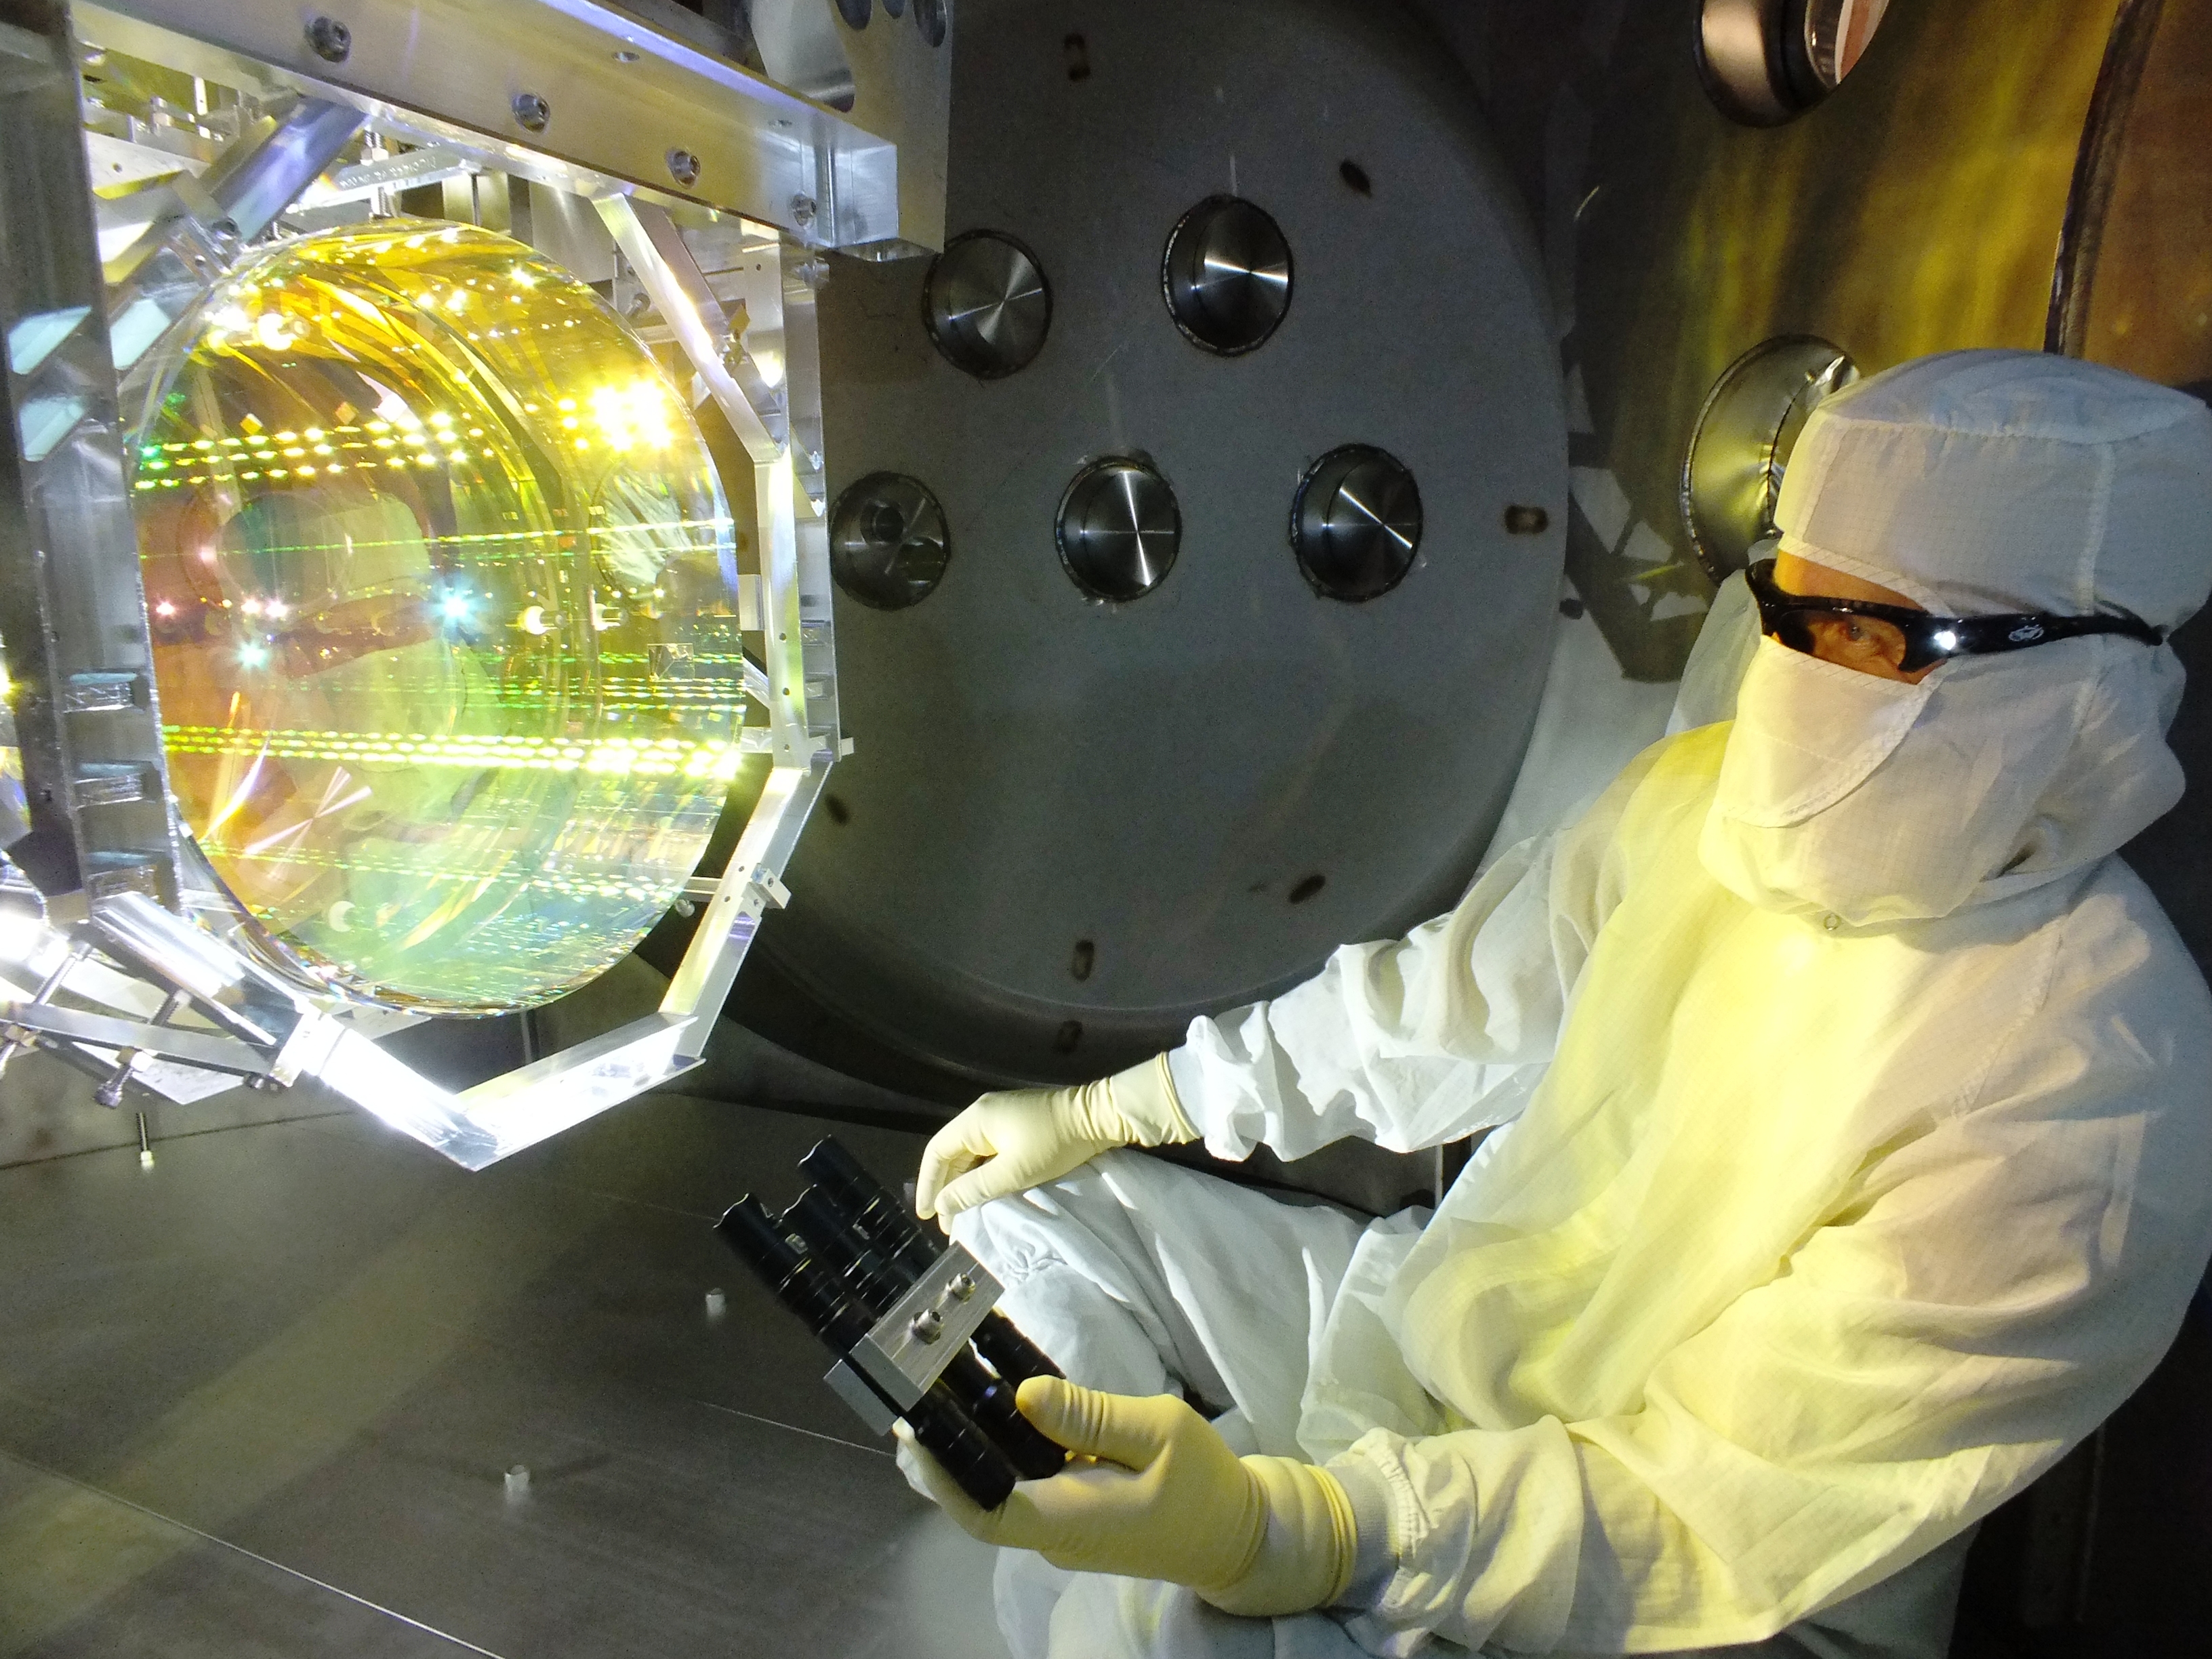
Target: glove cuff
(1306, 1555)
(1144, 1097)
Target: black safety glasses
(1858, 633)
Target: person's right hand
(1017, 1138)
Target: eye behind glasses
(1861, 633)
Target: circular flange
(1226, 276)
(1071, 826)
(1766, 62)
(1118, 528)
(987, 304)
(1356, 523)
(888, 541)
(1732, 475)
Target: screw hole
(1064, 1041)
(1077, 52)
(1086, 958)
(1355, 176)
(1572, 608)
(1306, 889)
(1526, 522)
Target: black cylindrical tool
(908, 1250)
(826, 1225)
(881, 1219)
(819, 1220)
(1012, 1355)
(809, 1289)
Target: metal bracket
(909, 1348)
(72, 601)
(180, 254)
(611, 95)
(849, 1386)
(209, 1050)
(772, 892)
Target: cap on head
(1999, 481)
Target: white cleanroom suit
(1861, 1147)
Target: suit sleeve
(1415, 1042)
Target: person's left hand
(1159, 1494)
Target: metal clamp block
(909, 1348)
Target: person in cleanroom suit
(1859, 1146)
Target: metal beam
(72, 607)
(575, 93)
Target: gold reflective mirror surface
(443, 594)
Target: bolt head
(532, 112)
(329, 39)
(683, 167)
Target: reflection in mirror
(1836, 33)
(1765, 61)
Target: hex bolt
(683, 167)
(803, 209)
(329, 39)
(110, 1093)
(531, 111)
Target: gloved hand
(1166, 1498)
(1017, 1138)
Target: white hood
(1974, 481)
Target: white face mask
(1881, 802)
(1807, 734)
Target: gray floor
(260, 1399)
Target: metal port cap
(986, 305)
(1746, 434)
(1226, 276)
(888, 541)
(1119, 528)
(1356, 523)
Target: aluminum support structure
(766, 380)
(72, 608)
(119, 977)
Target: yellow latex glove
(1163, 1496)
(1017, 1138)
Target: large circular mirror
(443, 596)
